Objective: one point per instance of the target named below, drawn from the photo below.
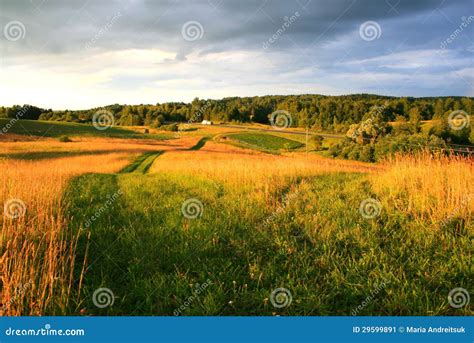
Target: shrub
(64, 139)
(367, 153)
(170, 127)
(317, 142)
(386, 146)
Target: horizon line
(243, 97)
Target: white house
(206, 122)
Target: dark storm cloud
(264, 46)
(64, 26)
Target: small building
(206, 122)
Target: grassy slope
(265, 142)
(318, 246)
(56, 129)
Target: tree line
(319, 112)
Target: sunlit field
(242, 171)
(38, 250)
(199, 225)
(437, 189)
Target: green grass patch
(42, 155)
(315, 243)
(142, 163)
(265, 142)
(199, 144)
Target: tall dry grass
(15, 148)
(244, 170)
(233, 164)
(37, 252)
(427, 187)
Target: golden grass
(248, 170)
(35, 252)
(94, 145)
(229, 163)
(426, 187)
(37, 256)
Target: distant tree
(415, 119)
(369, 130)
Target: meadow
(39, 128)
(263, 142)
(224, 221)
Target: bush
(335, 149)
(386, 146)
(443, 130)
(170, 127)
(317, 142)
(367, 153)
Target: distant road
(302, 133)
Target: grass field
(57, 129)
(196, 226)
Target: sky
(88, 53)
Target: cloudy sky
(80, 54)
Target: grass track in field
(200, 144)
(142, 163)
(265, 142)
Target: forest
(329, 113)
